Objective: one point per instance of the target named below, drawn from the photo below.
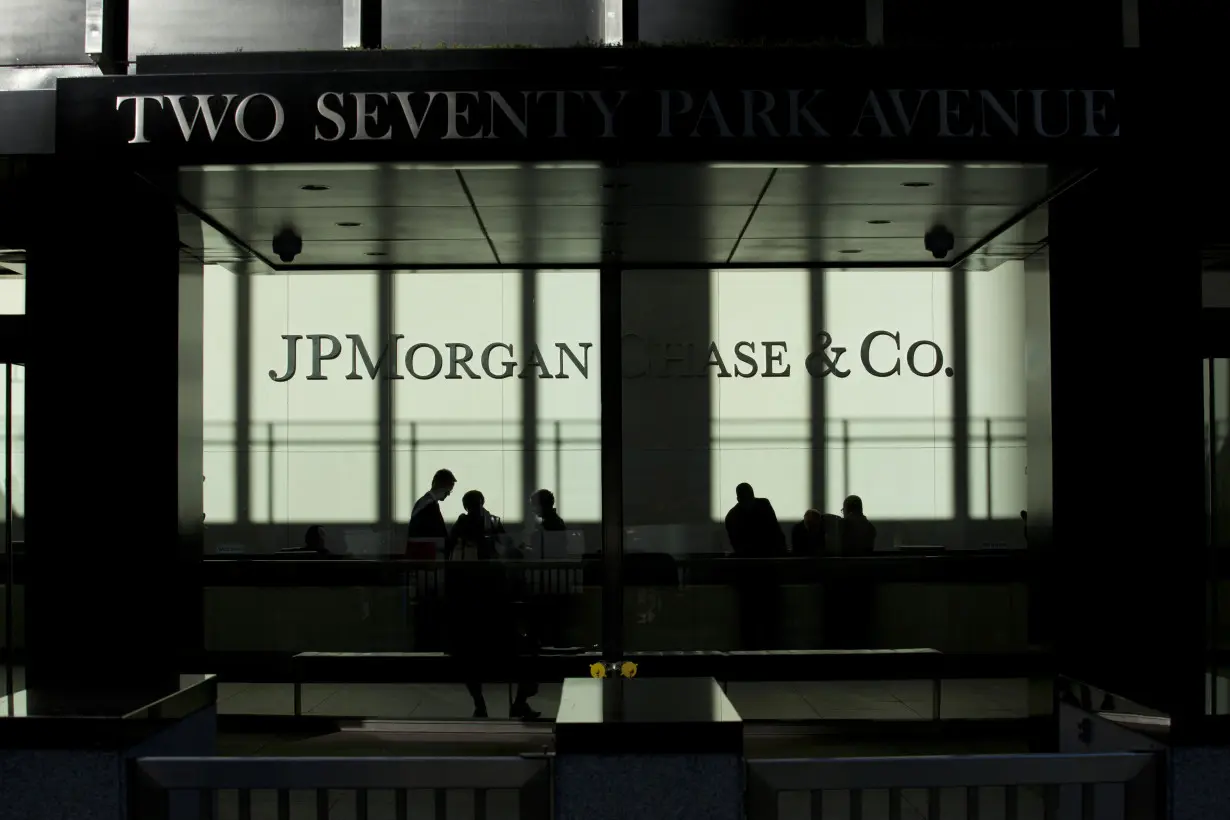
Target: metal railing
(266, 788)
(557, 439)
(1111, 786)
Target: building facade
(320, 256)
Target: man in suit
(858, 535)
(755, 533)
(752, 526)
(849, 605)
(426, 536)
(426, 518)
(313, 543)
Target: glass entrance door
(12, 546)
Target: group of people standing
(486, 621)
(754, 532)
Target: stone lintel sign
(325, 118)
(880, 354)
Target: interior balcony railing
(842, 439)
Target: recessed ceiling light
(916, 185)
(347, 224)
(313, 187)
(852, 250)
(375, 253)
(879, 221)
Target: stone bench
(724, 667)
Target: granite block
(59, 784)
(1200, 783)
(91, 784)
(649, 787)
(194, 736)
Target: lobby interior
(799, 237)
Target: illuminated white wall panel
(470, 426)
(219, 395)
(890, 438)
(314, 442)
(995, 328)
(567, 311)
(12, 295)
(761, 426)
(313, 457)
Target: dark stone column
(113, 443)
(1125, 545)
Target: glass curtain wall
(779, 422)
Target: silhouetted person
(542, 519)
(426, 518)
(848, 600)
(481, 623)
(807, 537)
(474, 528)
(754, 532)
(542, 503)
(858, 535)
(313, 542)
(425, 535)
(752, 526)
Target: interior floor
(760, 700)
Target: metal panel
(186, 26)
(27, 122)
(41, 32)
(430, 23)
